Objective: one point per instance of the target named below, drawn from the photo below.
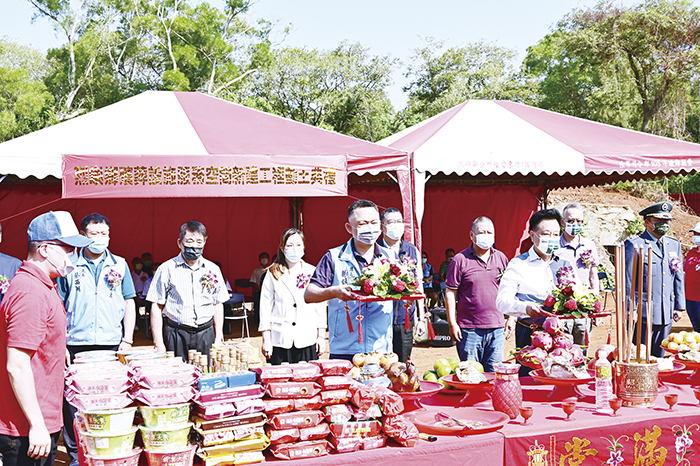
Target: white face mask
(395, 231)
(68, 260)
(484, 240)
(547, 245)
(696, 240)
(368, 234)
(263, 262)
(99, 245)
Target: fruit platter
(552, 341)
(459, 421)
(563, 388)
(681, 342)
(473, 392)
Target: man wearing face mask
(99, 299)
(33, 344)
(393, 228)
(333, 282)
(668, 290)
(531, 277)
(691, 270)
(475, 322)
(188, 294)
(583, 254)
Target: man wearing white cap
(33, 344)
(692, 279)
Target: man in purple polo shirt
(472, 285)
(583, 254)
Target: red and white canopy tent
(500, 158)
(159, 159)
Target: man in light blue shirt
(100, 309)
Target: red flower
(368, 286)
(398, 285)
(597, 306)
(549, 302)
(384, 261)
(395, 270)
(567, 291)
(571, 304)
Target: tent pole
(545, 192)
(295, 212)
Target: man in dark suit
(668, 291)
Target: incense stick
(640, 288)
(630, 308)
(650, 306)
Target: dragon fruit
(562, 352)
(531, 356)
(577, 357)
(542, 340)
(564, 340)
(553, 325)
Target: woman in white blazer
(292, 330)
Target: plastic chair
(604, 278)
(237, 302)
(244, 287)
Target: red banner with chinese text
(151, 176)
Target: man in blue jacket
(667, 283)
(334, 281)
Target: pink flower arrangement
(113, 279)
(4, 284)
(571, 305)
(385, 279)
(566, 276)
(588, 259)
(209, 281)
(303, 280)
(675, 264)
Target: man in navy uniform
(668, 290)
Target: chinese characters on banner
(203, 176)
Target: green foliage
(606, 283)
(635, 227)
(655, 47)
(440, 80)
(24, 100)
(343, 89)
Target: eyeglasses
(65, 247)
(574, 222)
(394, 222)
(193, 243)
(365, 222)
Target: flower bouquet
(386, 280)
(383, 280)
(571, 299)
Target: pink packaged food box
(357, 429)
(308, 404)
(288, 435)
(338, 413)
(292, 451)
(333, 366)
(296, 419)
(305, 372)
(273, 373)
(214, 411)
(292, 389)
(278, 406)
(100, 402)
(335, 382)
(165, 396)
(314, 432)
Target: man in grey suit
(668, 290)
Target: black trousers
(13, 451)
(403, 341)
(181, 341)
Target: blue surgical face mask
(294, 255)
(484, 240)
(547, 245)
(99, 245)
(395, 231)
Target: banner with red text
(147, 176)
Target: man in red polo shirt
(33, 344)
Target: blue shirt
(8, 268)
(95, 295)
